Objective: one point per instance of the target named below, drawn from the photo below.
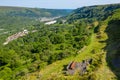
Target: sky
(55, 4)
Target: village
(15, 36)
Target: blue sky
(58, 4)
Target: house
(81, 67)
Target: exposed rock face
(81, 67)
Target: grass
(94, 50)
(103, 72)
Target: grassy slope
(103, 72)
(54, 71)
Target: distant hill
(32, 12)
(97, 12)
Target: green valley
(84, 41)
